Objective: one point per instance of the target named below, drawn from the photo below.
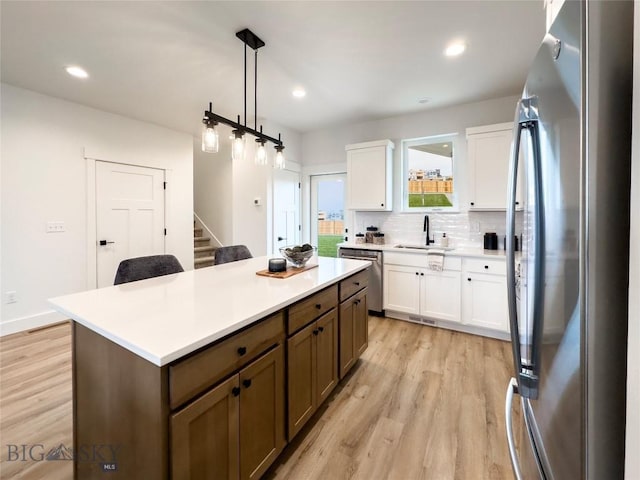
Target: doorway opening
(327, 212)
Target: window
(428, 172)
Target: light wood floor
(35, 401)
(422, 403)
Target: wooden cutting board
(289, 272)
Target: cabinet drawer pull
(422, 274)
(357, 284)
(246, 383)
(486, 267)
(382, 204)
(472, 203)
(242, 350)
(235, 391)
(318, 306)
(315, 332)
(417, 273)
(321, 329)
(469, 279)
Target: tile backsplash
(465, 229)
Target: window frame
(431, 139)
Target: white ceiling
(162, 62)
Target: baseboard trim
(459, 327)
(29, 323)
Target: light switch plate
(55, 227)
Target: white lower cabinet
(471, 292)
(401, 289)
(484, 294)
(417, 290)
(441, 295)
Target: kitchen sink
(423, 247)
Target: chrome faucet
(425, 228)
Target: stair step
(203, 262)
(207, 248)
(199, 252)
(201, 241)
(197, 232)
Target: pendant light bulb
(261, 153)
(210, 138)
(278, 162)
(237, 150)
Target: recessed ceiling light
(77, 72)
(445, 145)
(424, 100)
(299, 92)
(455, 49)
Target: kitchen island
(185, 376)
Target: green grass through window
(327, 245)
(417, 200)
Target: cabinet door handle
(486, 267)
(246, 383)
(318, 306)
(321, 329)
(469, 279)
(315, 332)
(242, 350)
(235, 391)
(417, 273)
(357, 284)
(472, 204)
(422, 274)
(382, 204)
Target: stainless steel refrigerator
(568, 290)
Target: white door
(129, 216)
(286, 209)
(328, 212)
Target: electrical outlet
(10, 297)
(55, 227)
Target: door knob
(246, 383)
(104, 242)
(281, 238)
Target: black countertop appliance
(491, 241)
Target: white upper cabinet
(369, 175)
(489, 154)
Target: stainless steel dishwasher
(374, 296)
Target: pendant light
(278, 162)
(237, 149)
(210, 136)
(261, 152)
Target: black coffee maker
(491, 241)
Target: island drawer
(353, 284)
(311, 308)
(490, 266)
(195, 374)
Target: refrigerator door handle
(511, 260)
(512, 389)
(527, 116)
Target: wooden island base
(225, 411)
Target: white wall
(224, 191)
(632, 466)
(44, 178)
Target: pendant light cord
(245, 84)
(255, 92)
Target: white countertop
(455, 252)
(164, 318)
